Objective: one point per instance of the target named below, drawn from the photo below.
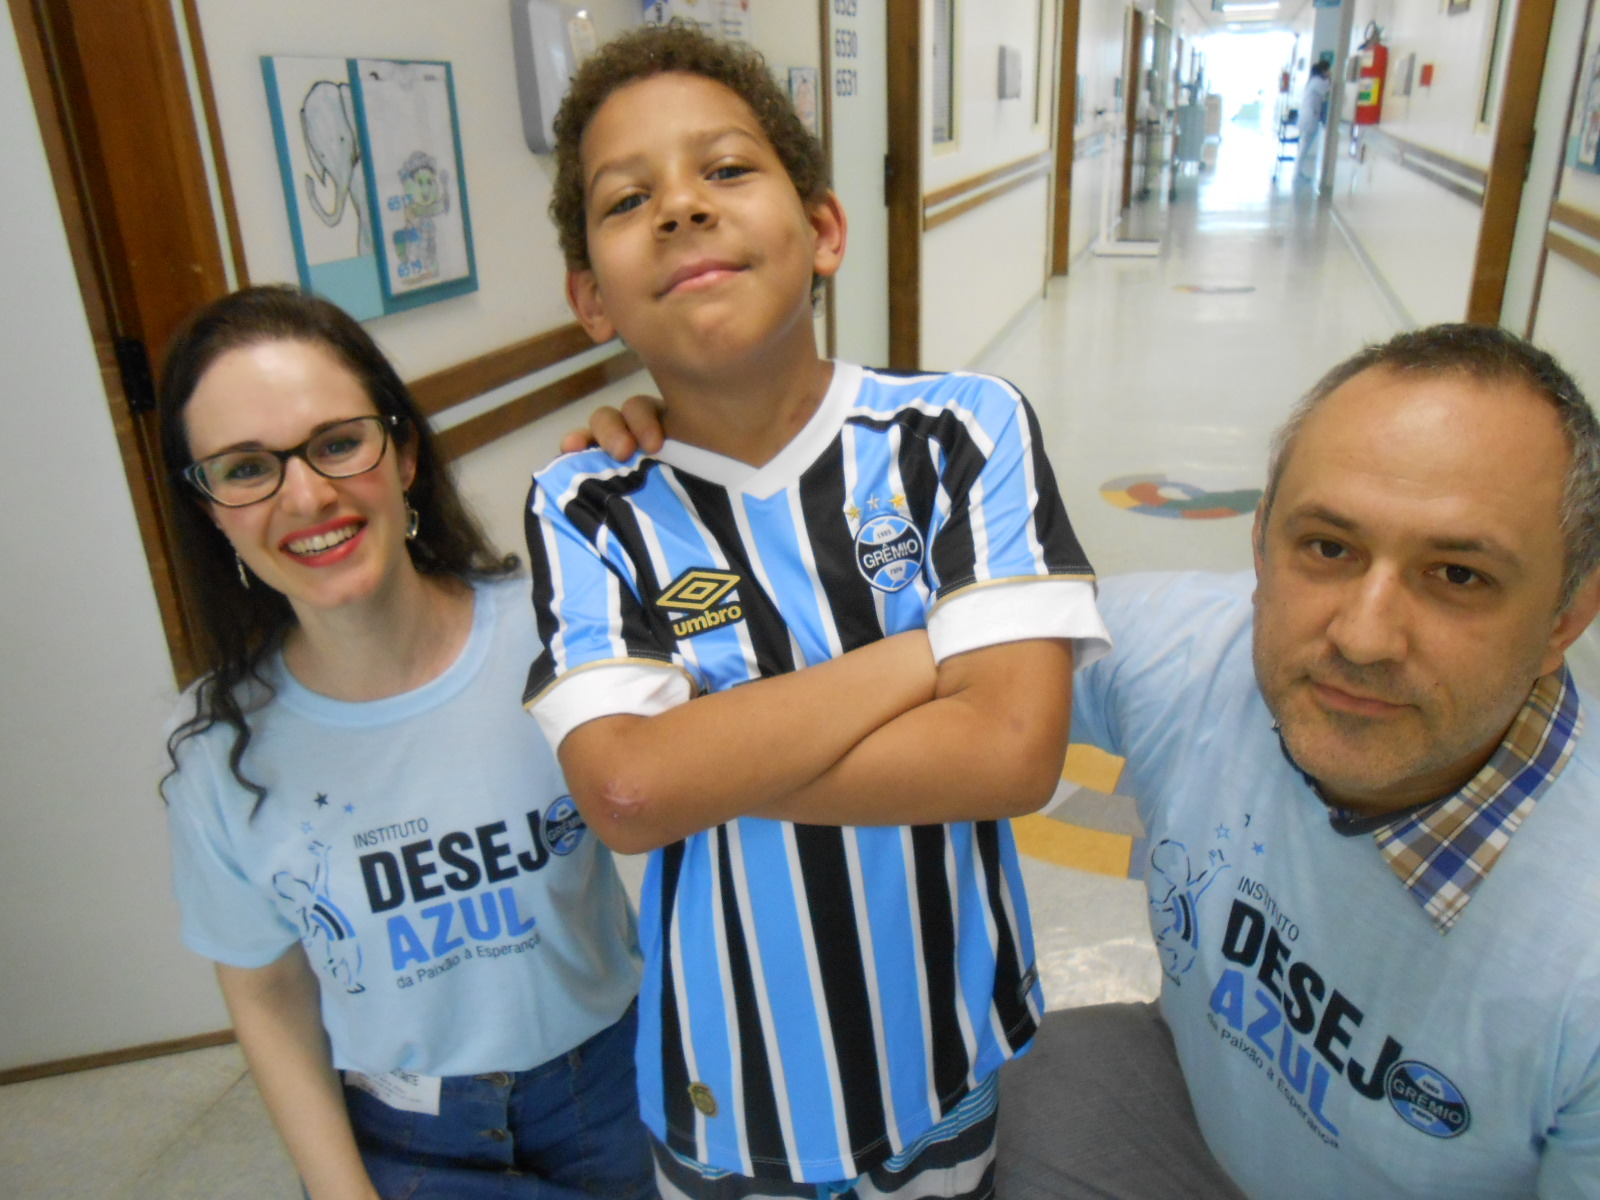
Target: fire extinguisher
(1374, 69)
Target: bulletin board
(504, 250)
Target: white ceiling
(1248, 16)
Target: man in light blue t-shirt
(1372, 818)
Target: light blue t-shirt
(458, 913)
(1335, 1043)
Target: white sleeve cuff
(613, 689)
(1016, 611)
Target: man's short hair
(1485, 354)
(657, 50)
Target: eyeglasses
(236, 478)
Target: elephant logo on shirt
(1175, 888)
(327, 934)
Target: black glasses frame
(194, 473)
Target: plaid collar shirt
(1442, 850)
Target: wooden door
(1066, 144)
(113, 104)
(1132, 99)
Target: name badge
(402, 1090)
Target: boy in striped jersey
(868, 587)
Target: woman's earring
(244, 576)
(413, 521)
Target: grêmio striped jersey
(815, 998)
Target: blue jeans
(564, 1130)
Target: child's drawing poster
(728, 19)
(1585, 151)
(324, 185)
(416, 184)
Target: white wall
(1569, 297)
(1422, 238)
(972, 285)
(1098, 162)
(90, 936)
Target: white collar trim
(790, 462)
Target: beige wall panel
(978, 272)
(1420, 237)
(1089, 177)
(1568, 303)
(91, 931)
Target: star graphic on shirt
(853, 513)
(1223, 832)
(349, 808)
(899, 500)
(874, 504)
(1258, 848)
(322, 800)
(306, 827)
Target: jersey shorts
(815, 998)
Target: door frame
(112, 100)
(1069, 15)
(1509, 159)
(903, 183)
(1132, 90)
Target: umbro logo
(700, 590)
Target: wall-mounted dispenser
(549, 41)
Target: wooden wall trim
(219, 157)
(479, 431)
(972, 183)
(1508, 162)
(1580, 256)
(982, 198)
(112, 1058)
(1581, 220)
(468, 380)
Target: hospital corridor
(1162, 221)
(1158, 433)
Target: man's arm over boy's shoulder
(880, 735)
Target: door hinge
(133, 361)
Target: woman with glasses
(429, 960)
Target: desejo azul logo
(700, 591)
(889, 551)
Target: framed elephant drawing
(383, 238)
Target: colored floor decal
(1158, 496)
(1075, 846)
(1215, 289)
(1081, 847)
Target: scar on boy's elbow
(619, 812)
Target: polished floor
(1158, 382)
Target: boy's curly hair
(657, 50)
